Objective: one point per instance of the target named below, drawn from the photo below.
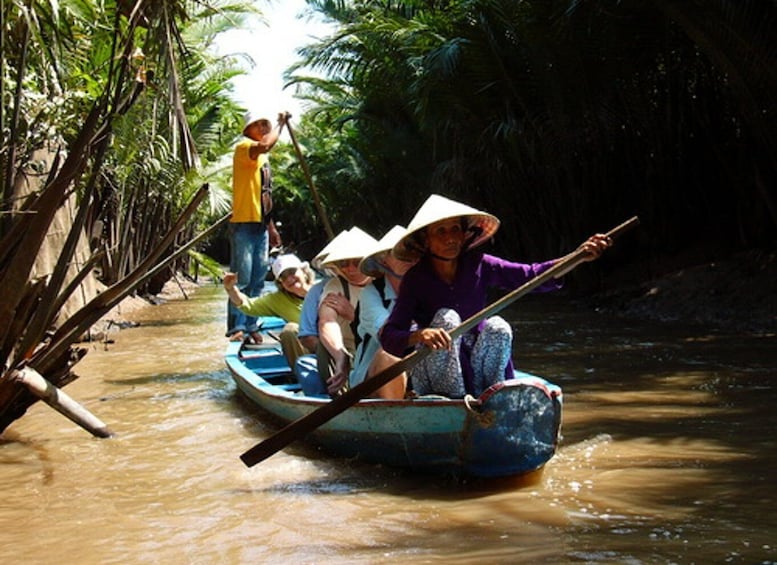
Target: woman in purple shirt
(449, 284)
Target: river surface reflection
(667, 456)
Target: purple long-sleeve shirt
(422, 293)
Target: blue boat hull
(512, 429)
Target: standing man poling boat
(251, 229)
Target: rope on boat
(485, 419)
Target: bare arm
(273, 234)
(331, 337)
(230, 285)
(268, 140)
(594, 246)
(341, 306)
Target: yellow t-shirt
(246, 184)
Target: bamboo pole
(319, 206)
(60, 401)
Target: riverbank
(123, 315)
(738, 293)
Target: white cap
(251, 118)
(284, 262)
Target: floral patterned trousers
(440, 372)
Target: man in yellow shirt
(251, 230)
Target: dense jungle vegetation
(563, 117)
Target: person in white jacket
(375, 304)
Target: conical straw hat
(316, 261)
(369, 265)
(481, 226)
(355, 245)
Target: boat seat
(272, 371)
(259, 354)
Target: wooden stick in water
(60, 401)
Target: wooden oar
(304, 425)
(319, 206)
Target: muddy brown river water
(668, 456)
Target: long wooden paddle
(306, 424)
(319, 206)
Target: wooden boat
(512, 429)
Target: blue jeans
(306, 371)
(250, 259)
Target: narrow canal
(667, 456)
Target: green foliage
(561, 116)
(201, 262)
(127, 111)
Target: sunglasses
(347, 263)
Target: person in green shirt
(293, 279)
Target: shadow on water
(175, 322)
(217, 378)
(666, 457)
(355, 477)
(665, 426)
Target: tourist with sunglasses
(337, 310)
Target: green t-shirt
(274, 304)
